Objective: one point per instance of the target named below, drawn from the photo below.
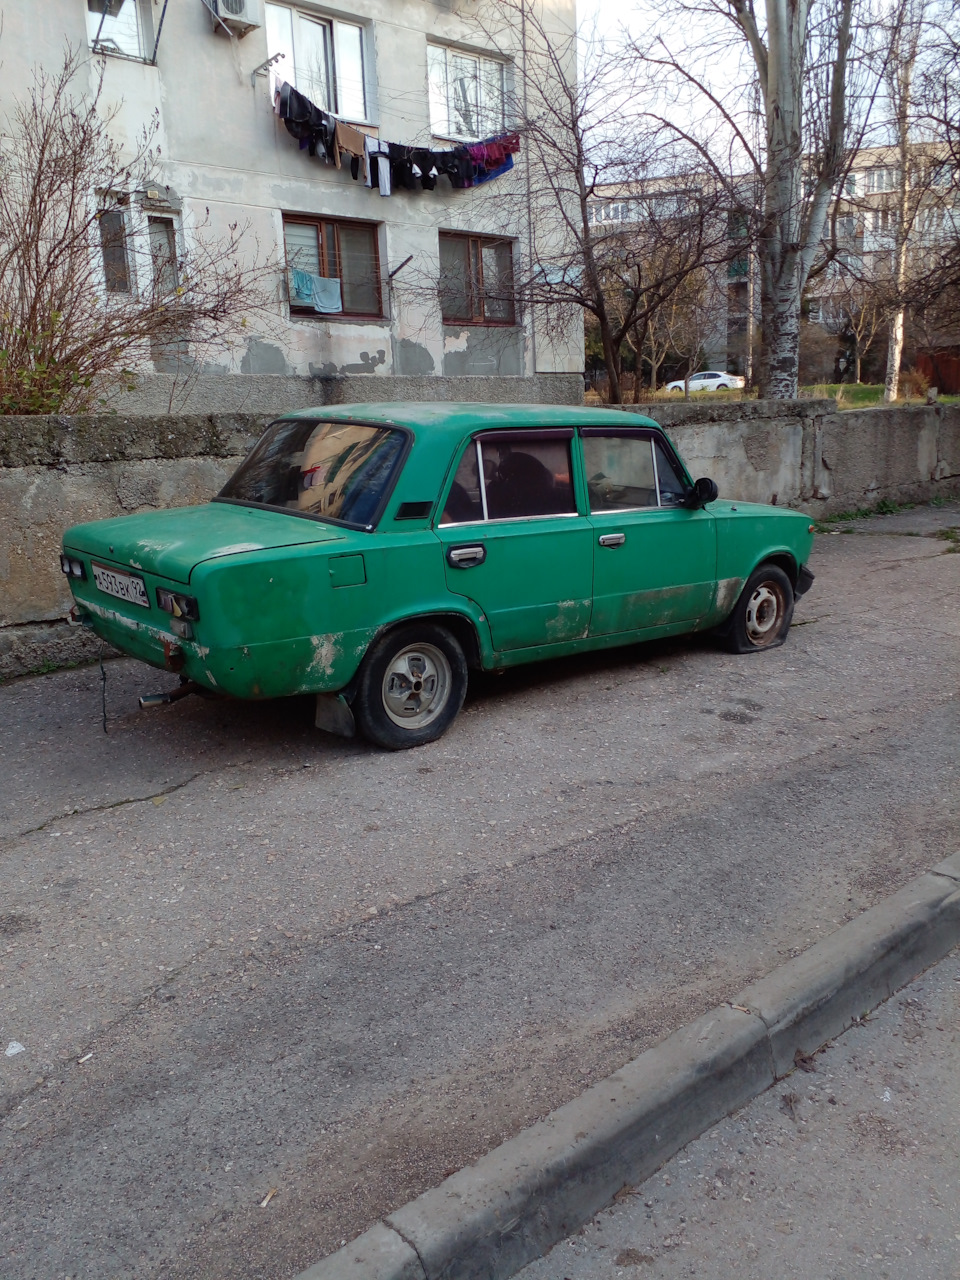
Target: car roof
(442, 418)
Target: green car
(372, 554)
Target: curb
(493, 1217)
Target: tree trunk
(891, 385)
(856, 359)
(611, 359)
(780, 353)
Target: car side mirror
(704, 491)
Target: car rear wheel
(762, 615)
(412, 685)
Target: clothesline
(386, 165)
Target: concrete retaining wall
(56, 471)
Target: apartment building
(412, 276)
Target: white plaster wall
(223, 149)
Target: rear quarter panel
(279, 624)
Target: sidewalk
(849, 1168)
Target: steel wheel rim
(416, 686)
(765, 610)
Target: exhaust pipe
(174, 695)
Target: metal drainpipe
(533, 323)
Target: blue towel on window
(326, 294)
(302, 285)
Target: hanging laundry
(425, 168)
(377, 156)
(326, 294)
(351, 141)
(389, 164)
(313, 127)
(401, 166)
(302, 283)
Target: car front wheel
(412, 685)
(762, 615)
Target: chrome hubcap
(416, 686)
(764, 614)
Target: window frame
(318, 221)
(475, 289)
(331, 23)
(655, 438)
(448, 131)
(114, 209)
(508, 435)
(146, 35)
(575, 436)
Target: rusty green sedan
(374, 554)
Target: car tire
(722, 386)
(411, 687)
(762, 615)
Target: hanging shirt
(349, 140)
(377, 155)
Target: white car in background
(710, 380)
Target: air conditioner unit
(240, 16)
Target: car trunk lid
(173, 542)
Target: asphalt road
(240, 955)
(846, 1169)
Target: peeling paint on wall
(482, 350)
(455, 342)
(263, 357)
(412, 359)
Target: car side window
(527, 478)
(620, 474)
(510, 477)
(672, 484)
(464, 503)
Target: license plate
(125, 586)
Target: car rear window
(339, 471)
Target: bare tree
(781, 138)
(91, 282)
(936, 294)
(619, 215)
(863, 317)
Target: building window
(467, 94)
(883, 221)
(881, 180)
(120, 27)
(476, 280)
(113, 245)
(814, 312)
(162, 239)
(323, 58)
(345, 254)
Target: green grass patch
(885, 507)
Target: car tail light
(72, 567)
(180, 606)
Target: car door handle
(467, 557)
(612, 539)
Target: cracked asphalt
(240, 955)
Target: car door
(513, 540)
(655, 559)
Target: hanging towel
(326, 294)
(302, 285)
